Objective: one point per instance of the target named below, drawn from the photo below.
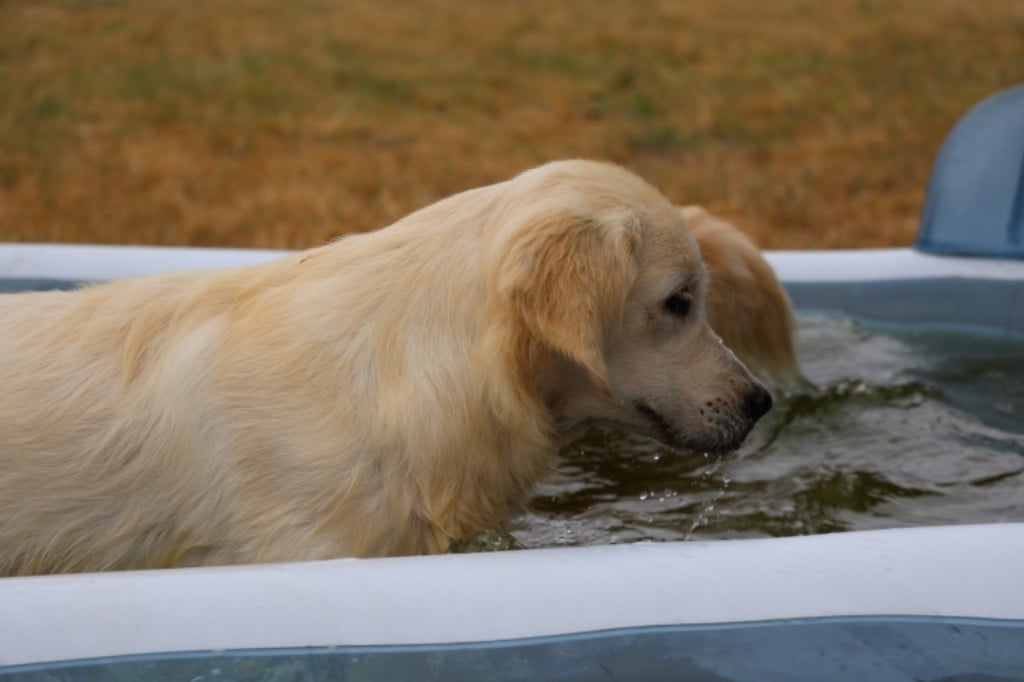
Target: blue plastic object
(975, 204)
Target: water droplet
(1005, 408)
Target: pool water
(881, 649)
(902, 427)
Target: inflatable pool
(913, 604)
(935, 603)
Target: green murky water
(902, 428)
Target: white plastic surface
(969, 571)
(97, 263)
(83, 262)
(872, 265)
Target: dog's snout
(757, 402)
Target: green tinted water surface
(901, 428)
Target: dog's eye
(678, 305)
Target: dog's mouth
(722, 440)
(654, 417)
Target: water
(902, 428)
(876, 648)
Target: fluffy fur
(380, 395)
(746, 303)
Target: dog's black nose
(757, 402)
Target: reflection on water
(902, 428)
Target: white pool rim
(970, 571)
(97, 263)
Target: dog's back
(266, 413)
(84, 451)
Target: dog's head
(606, 287)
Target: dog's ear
(566, 276)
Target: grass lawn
(285, 124)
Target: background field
(284, 124)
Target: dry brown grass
(284, 124)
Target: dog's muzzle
(723, 430)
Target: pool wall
(883, 285)
(921, 603)
(846, 599)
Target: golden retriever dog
(746, 304)
(380, 395)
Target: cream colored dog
(746, 304)
(377, 396)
